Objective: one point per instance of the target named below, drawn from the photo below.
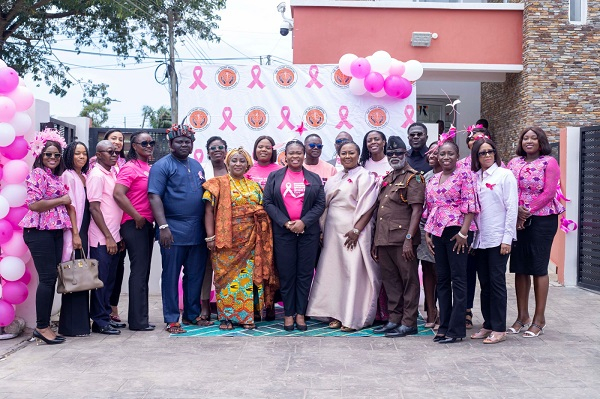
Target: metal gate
(159, 135)
(588, 274)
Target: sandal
(199, 321)
(482, 334)
(174, 328)
(226, 325)
(495, 337)
(347, 329)
(469, 319)
(249, 326)
(522, 326)
(531, 334)
(115, 317)
(335, 324)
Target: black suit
(295, 255)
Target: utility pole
(171, 67)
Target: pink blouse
(42, 184)
(464, 163)
(447, 203)
(537, 183)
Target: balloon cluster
(15, 124)
(380, 74)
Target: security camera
(285, 27)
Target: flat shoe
(494, 338)
(335, 324)
(481, 334)
(347, 329)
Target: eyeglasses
(486, 153)
(110, 152)
(340, 141)
(419, 134)
(315, 145)
(392, 153)
(52, 155)
(147, 143)
(216, 147)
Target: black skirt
(530, 254)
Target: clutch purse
(78, 275)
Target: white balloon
(15, 194)
(7, 134)
(345, 62)
(357, 86)
(0, 290)
(12, 268)
(380, 93)
(381, 61)
(21, 122)
(4, 207)
(414, 70)
(2, 64)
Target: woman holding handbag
(50, 213)
(75, 309)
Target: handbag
(78, 275)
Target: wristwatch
(409, 236)
(356, 231)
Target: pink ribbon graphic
(343, 112)
(285, 115)
(255, 72)
(227, 114)
(560, 195)
(199, 155)
(314, 76)
(567, 225)
(409, 112)
(197, 78)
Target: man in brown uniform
(396, 237)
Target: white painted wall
(572, 192)
(82, 124)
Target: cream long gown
(347, 282)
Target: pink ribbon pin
(197, 78)
(255, 72)
(313, 72)
(560, 195)
(343, 112)
(567, 225)
(409, 112)
(227, 114)
(285, 115)
(199, 155)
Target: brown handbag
(78, 275)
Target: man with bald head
(104, 236)
(341, 138)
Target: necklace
(186, 163)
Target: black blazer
(312, 208)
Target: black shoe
(152, 325)
(149, 328)
(385, 328)
(402, 331)
(39, 338)
(301, 327)
(438, 338)
(107, 329)
(288, 328)
(116, 324)
(449, 340)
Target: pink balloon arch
(15, 130)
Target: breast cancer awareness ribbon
(197, 78)
(560, 195)
(343, 112)
(409, 112)
(227, 114)
(313, 72)
(288, 191)
(567, 225)
(199, 155)
(285, 115)
(255, 72)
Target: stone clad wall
(560, 83)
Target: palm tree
(158, 119)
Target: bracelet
(356, 231)
(209, 239)
(461, 235)
(163, 226)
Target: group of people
(339, 240)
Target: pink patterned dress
(42, 184)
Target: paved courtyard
(562, 363)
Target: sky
(247, 29)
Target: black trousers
(46, 251)
(139, 244)
(116, 292)
(451, 268)
(100, 299)
(471, 280)
(295, 257)
(491, 268)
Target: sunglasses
(420, 134)
(110, 152)
(147, 143)
(52, 155)
(216, 147)
(315, 145)
(486, 153)
(340, 141)
(392, 153)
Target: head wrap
(180, 130)
(239, 150)
(39, 142)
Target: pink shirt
(379, 168)
(100, 188)
(447, 203)
(42, 184)
(117, 167)
(260, 174)
(324, 169)
(134, 175)
(292, 191)
(537, 183)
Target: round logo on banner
(285, 76)
(199, 119)
(256, 118)
(315, 117)
(377, 116)
(227, 77)
(339, 79)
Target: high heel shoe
(290, 327)
(39, 338)
(438, 338)
(449, 340)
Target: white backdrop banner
(240, 103)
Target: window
(577, 11)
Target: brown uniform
(400, 277)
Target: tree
(158, 119)
(131, 29)
(95, 103)
(97, 112)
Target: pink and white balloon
(380, 74)
(15, 131)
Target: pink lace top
(42, 184)
(537, 183)
(447, 203)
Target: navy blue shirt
(181, 193)
(418, 160)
